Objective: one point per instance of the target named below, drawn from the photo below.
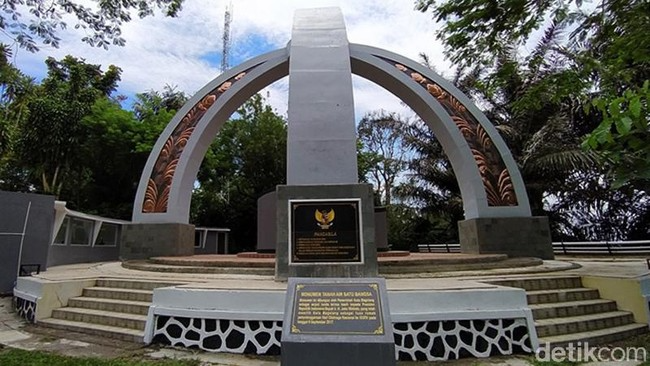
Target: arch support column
(514, 236)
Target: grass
(18, 357)
(534, 362)
(640, 341)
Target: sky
(185, 52)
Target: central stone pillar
(325, 219)
(321, 136)
(322, 159)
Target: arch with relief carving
(489, 180)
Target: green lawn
(17, 357)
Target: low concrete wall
(645, 291)
(49, 295)
(70, 254)
(627, 293)
(215, 241)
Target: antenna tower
(227, 18)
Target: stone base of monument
(432, 319)
(325, 231)
(143, 241)
(514, 236)
(337, 321)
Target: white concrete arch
(171, 176)
(382, 67)
(164, 192)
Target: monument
(336, 308)
(497, 213)
(328, 306)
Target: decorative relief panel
(494, 173)
(160, 182)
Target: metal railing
(640, 247)
(28, 269)
(635, 247)
(439, 248)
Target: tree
(621, 138)
(617, 54)
(246, 161)
(17, 89)
(385, 154)
(116, 146)
(50, 136)
(431, 187)
(101, 23)
(153, 102)
(14, 86)
(113, 160)
(607, 62)
(587, 208)
(69, 138)
(476, 32)
(546, 100)
(407, 227)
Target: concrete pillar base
(514, 236)
(143, 241)
(366, 268)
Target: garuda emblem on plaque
(324, 219)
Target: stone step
(152, 267)
(561, 295)
(595, 337)
(119, 306)
(571, 308)
(540, 283)
(101, 317)
(582, 323)
(133, 284)
(124, 334)
(118, 294)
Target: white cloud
(185, 51)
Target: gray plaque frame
(359, 202)
(343, 348)
(377, 327)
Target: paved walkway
(14, 332)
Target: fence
(602, 247)
(636, 247)
(439, 248)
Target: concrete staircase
(113, 308)
(565, 312)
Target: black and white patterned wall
(429, 340)
(217, 335)
(26, 309)
(454, 339)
